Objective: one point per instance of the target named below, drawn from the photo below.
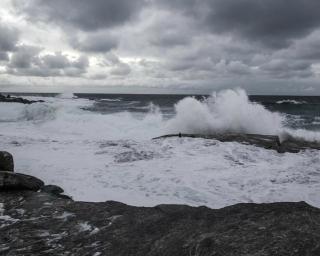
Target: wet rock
(6, 162)
(290, 144)
(18, 181)
(9, 98)
(41, 224)
(52, 189)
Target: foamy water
(99, 157)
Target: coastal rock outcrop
(42, 224)
(18, 181)
(290, 144)
(6, 162)
(10, 98)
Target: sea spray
(16, 112)
(226, 111)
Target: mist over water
(99, 147)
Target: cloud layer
(265, 46)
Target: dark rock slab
(18, 181)
(43, 224)
(52, 189)
(6, 162)
(290, 144)
(10, 98)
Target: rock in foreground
(18, 181)
(38, 223)
(6, 162)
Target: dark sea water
(300, 111)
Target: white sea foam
(290, 102)
(66, 95)
(98, 157)
(227, 111)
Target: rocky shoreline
(9, 98)
(37, 219)
(289, 144)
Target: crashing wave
(66, 95)
(226, 111)
(231, 111)
(15, 112)
(290, 102)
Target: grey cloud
(169, 39)
(118, 67)
(95, 42)
(168, 30)
(284, 68)
(82, 14)
(24, 57)
(273, 23)
(121, 69)
(27, 62)
(4, 56)
(111, 59)
(8, 38)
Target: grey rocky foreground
(37, 219)
(36, 223)
(290, 144)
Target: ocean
(99, 147)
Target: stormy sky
(171, 46)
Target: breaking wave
(15, 112)
(226, 111)
(295, 102)
(66, 95)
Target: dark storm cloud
(24, 57)
(273, 23)
(8, 38)
(86, 15)
(26, 61)
(4, 56)
(185, 41)
(95, 42)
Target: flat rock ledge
(290, 144)
(37, 219)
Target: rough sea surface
(99, 147)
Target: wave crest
(226, 111)
(15, 112)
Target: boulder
(17, 181)
(52, 189)
(6, 162)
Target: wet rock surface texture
(37, 223)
